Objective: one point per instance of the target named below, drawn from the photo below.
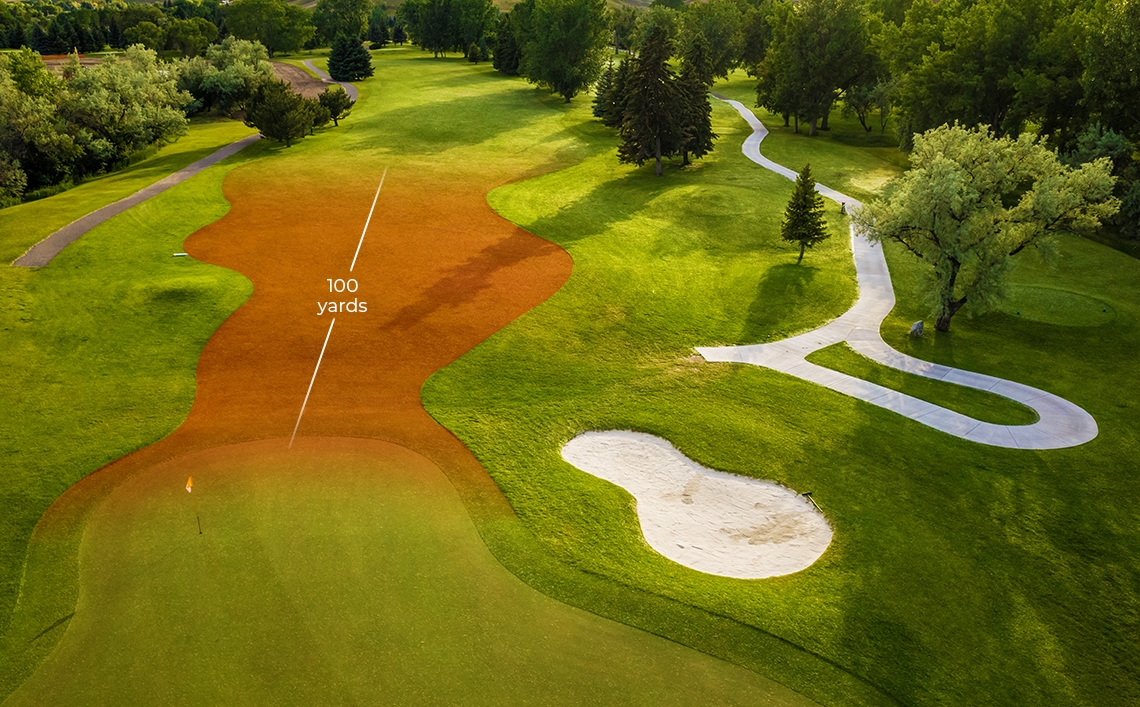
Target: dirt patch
(302, 81)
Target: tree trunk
(336, 124)
(657, 149)
(288, 142)
(950, 306)
(797, 120)
(567, 99)
(684, 158)
(811, 129)
(826, 116)
(786, 120)
(801, 258)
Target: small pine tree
(349, 60)
(399, 36)
(803, 218)
(277, 112)
(337, 103)
(473, 54)
(695, 80)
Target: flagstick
(199, 522)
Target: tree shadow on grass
(465, 281)
(778, 294)
(593, 214)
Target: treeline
(1064, 70)
(59, 127)
(441, 26)
(659, 113)
(182, 27)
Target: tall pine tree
(803, 218)
(650, 128)
(696, 78)
(349, 60)
(603, 91)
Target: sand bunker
(708, 520)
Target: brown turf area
(439, 270)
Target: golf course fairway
(343, 572)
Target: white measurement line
(368, 220)
(314, 380)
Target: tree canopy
(566, 45)
(279, 26)
(972, 201)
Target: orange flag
(189, 484)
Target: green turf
(977, 404)
(23, 225)
(959, 573)
(338, 578)
(100, 346)
(425, 108)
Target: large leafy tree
(116, 108)
(279, 26)
(567, 45)
(651, 125)
(820, 48)
(226, 76)
(719, 22)
(804, 224)
(972, 201)
(336, 17)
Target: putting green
(344, 572)
(1050, 305)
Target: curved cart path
(43, 252)
(348, 88)
(1061, 423)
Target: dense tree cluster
(281, 114)
(182, 26)
(558, 44)
(442, 26)
(60, 127)
(657, 112)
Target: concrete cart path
(43, 252)
(1061, 423)
(348, 88)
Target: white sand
(708, 520)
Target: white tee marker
(368, 220)
(311, 381)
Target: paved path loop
(1061, 423)
(43, 252)
(348, 88)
